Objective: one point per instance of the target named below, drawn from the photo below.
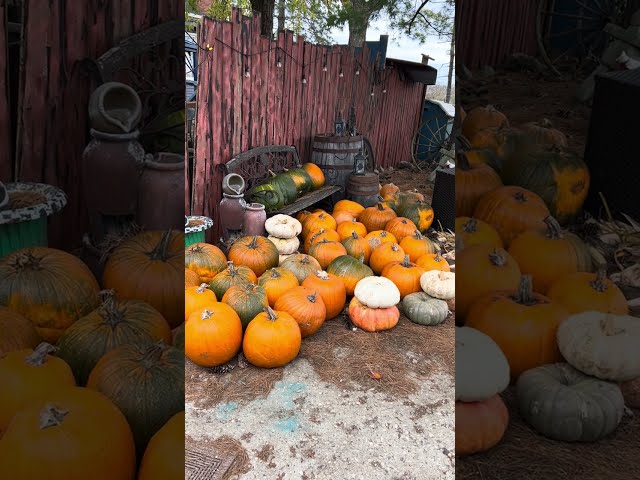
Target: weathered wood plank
(6, 148)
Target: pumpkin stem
(553, 228)
(160, 251)
(271, 173)
(108, 308)
(525, 291)
(322, 275)
(406, 263)
(354, 235)
(271, 315)
(599, 284)
(417, 235)
(520, 197)
(27, 260)
(362, 259)
(546, 123)
(206, 314)
(254, 242)
(232, 268)
(275, 273)
(497, 258)
(202, 288)
(39, 355)
(471, 226)
(51, 416)
(312, 298)
(380, 206)
(152, 354)
(395, 247)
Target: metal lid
(206, 224)
(54, 199)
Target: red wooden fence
(6, 169)
(273, 105)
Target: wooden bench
(254, 166)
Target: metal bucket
(335, 156)
(364, 189)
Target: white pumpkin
(285, 246)
(602, 345)
(283, 226)
(439, 284)
(482, 370)
(283, 258)
(377, 292)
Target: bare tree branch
(415, 15)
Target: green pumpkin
(421, 214)
(247, 300)
(284, 184)
(350, 271)
(564, 404)
(422, 309)
(267, 195)
(301, 178)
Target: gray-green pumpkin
(287, 187)
(422, 309)
(564, 404)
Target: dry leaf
(375, 375)
(629, 276)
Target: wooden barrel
(335, 156)
(364, 189)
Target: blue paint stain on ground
(287, 425)
(287, 393)
(224, 411)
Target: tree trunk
(452, 56)
(357, 35)
(281, 5)
(359, 23)
(265, 8)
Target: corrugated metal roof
(416, 72)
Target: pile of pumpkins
(530, 299)
(285, 188)
(268, 293)
(96, 368)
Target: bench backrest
(254, 165)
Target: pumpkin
(205, 260)
(512, 210)
(357, 247)
(439, 284)
(164, 456)
(549, 255)
(230, 277)
(178, 337)
(73, 434)
(482, 370)
(343, 216)
(483, 269)
(285, 185)
(372, 319)
(354, 208)
(277, 281)
(326, 252)
(482, 156)
(376, 217)
(522, 323)
(602, 345)
(401, 227)
(583, 291)
(543, 133)
(305, 306)
(472, 182)
(112, 324)
(319, 236)
(49, 287)
(562, 403)
(272, 339)
(285, 246)
(631, 392)
(462, 114)
(400, 201)
(421, 214)
(316, 175)
(247, 300)
(433, 261)
(560, 178)
(416, 246)
(301, 178)
(18, 333)
(505, 142)
(302, 216)
(318, 221)
(384, 255)
(146, 382)
(347, 229)
(301, 266)
(476, 232)
(191, 278)
(480, 118)
(30, 375)
(350, 271)
(388, 189)
(480, 425)
(283, 226)
(256, 252)
(378, 237)
(213, 336)
(147, 267)
(197, 298)
(405, 275)
(282, 258)
(377, 292)
(422, 309)
(331, 290)
(268, 195)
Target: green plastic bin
(195, 228)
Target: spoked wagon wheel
(429, 140)
(367, 151)
(571, 31)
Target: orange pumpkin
(417, 246)
(357, 247)
(302, 216)
(405, 275)
(472, 231)
(191, 278)
(480, 425)
(346, 229)
(376, 217)
(372, 319)
(277, 281)
(354, 208)
(433, 261)
(197, 298)
(582, 292)
(325, 252)
(231, 276)
(331, 289)
(258, 253)
(343, 216)
(301, 265)
(272, 339)
(306, 307)
(389, 189)
(18, 333)
(378, 237)
(164, 457)
(320, 235)
(522, 323)
(472, 182)
(481, 118)
(401, 227)
(318, 221)
(350, 271)
(316, 174)
(213, 336)
(384, 255)
(204, 259)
